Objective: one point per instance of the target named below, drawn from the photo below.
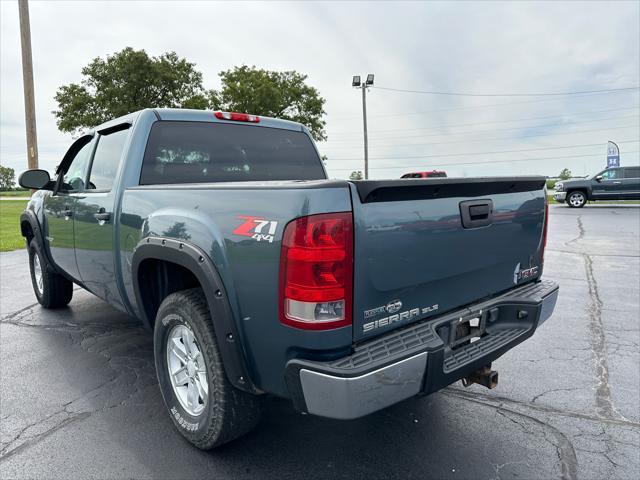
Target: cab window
(632, 172)
(611, 174)
(75, 176)
(195, 152)
(106, 160)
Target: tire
(184, 322)
(52, 290)
(576, 199)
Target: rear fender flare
(198, 262)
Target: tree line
(131, 80)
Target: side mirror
(599, 178)
(35, 179)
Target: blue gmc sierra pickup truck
(258, 275)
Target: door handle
(102, 216)
(618, 182)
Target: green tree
(7, 178)
(565, 174)
(127, 81)
(356, 175)
(273, 94)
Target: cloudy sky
(484, 49)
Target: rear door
(59, 208)
(94, 222)
(631, 183)
(424, 247)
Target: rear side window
(106, 160)
(195, 152)
(632, 172)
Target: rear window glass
(195, 152)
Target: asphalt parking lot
(79, 397)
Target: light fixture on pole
(356, 83)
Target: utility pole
(363, 86)
(27, 80)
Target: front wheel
(205, 408)
(52, 290)
(576, 199)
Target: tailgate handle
(476, 213)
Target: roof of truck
(187, 115)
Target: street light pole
(364, 85)
(366, 140)
(27, 80)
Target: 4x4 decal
(257, 228)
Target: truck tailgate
(423, 247)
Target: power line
(522, 127)
(492, 121)
(482, 162)
(471, 107)
(576, 132)
(554, 94)
(483, 153)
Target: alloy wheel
(186, 368)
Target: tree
(7, 178)
(356, 175)
(127, 81)
(565, 174)
(273, 94)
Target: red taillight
(316, 272)
(545, 227)
(237, 117)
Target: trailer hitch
(485, 377)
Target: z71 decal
(257, 228)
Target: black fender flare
(198, 262)
(29, 217)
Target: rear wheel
(205, 408)
(576, 199)
(52, 290)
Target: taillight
(237, 117)
(316, 272)
(545, 227)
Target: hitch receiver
(485, 377)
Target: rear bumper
(417, 359)
(560, 196)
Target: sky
(485, 49)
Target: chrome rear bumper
(416, 359)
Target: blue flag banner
(613, 155)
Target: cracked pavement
(79, 397)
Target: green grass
(16, 193)
(10, 236)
